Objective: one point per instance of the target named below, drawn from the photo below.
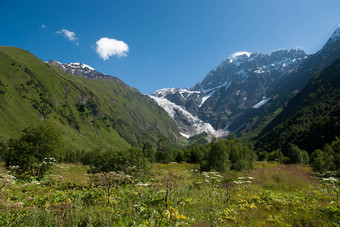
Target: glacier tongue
(197, 126)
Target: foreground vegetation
(172, 194)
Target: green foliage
(195, 153)
(224, 155)
(199, 139)
(263, 155)
(117, 160)
(164, 154)
(3, 148)
(276, 156)
(32, 152)
(297, 155)
(217, 157)
(318, 161)
(149, 151)
(90, 113)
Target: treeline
(218, 155)
(32, 154)
(322, 160)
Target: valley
(149, 113)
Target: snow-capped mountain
(80, 69)
(239, 83)
(237, 94)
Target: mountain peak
(240, 53)
(336, 34)
(80, 65)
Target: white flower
(143, 185)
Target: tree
(118, 160)
(164, 153)
(218, 157)
(149, 151)
(318, 161)
(34, 150)
(3, 147)
(276, 156)
(297, 155)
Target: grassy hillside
(311, 118)
(90, 114)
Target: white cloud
(69, 35)
(107, 47)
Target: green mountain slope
(311, 118)
(100, 113)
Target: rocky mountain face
(245, 88)
(311, 118)
(80, 69)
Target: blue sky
(164, 43)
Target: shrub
(118, 160)
(218, 157)
(276, 156)
(149, 151)
(318, 161)
(164, 154)
(3, 148)
(297, 155)
(34, 150)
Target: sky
(154, 44)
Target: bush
(297, 155)
(3, 148)
(118, 160)
(149, 151)
(164, 154)
(276, 156)
(34, 150)
(318, 161)
(218, 157)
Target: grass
(172, 195)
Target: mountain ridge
(246, 88)
(90, 113)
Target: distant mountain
(247, 90)
(80, 69)
(101, 112)
(311, 118)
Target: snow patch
(161, 93)
(225, 84)
(336, 34)
(81, 65)
(261, 103)
(240, 53)
(205, 98)
(185, 135)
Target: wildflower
(332, 179)
(250, 178)
(143, 185)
